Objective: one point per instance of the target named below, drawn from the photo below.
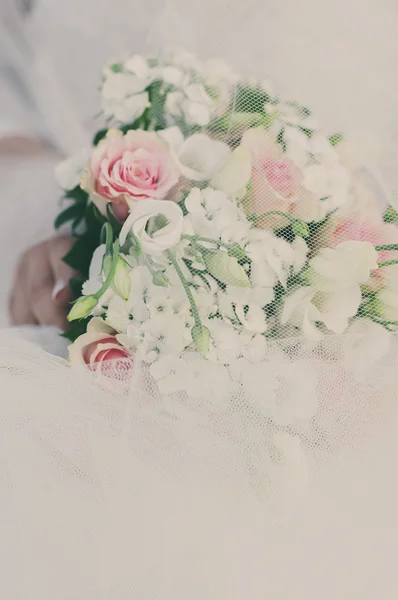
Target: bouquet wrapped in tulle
(218, 217)
(232, 256)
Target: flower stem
(198, 238)
(387, 247)
(186, 287)
(111, 273)
(386, 324)
(107, 236)
(388, 263)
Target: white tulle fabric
(337, 57)
(111, 490)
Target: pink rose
(127, 168)
(100, 350)
(277, 183)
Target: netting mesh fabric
(112, 491)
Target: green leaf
(139, 123)
(77, 194)
(281, 139)
(157, 99)
(301, 228)
(391, 215)
(116, 68)
(72, 213)
(80, 255)
(75, 257)
(99, 136)
(237, 122)
(76, 329)
(76, 284)
(308, 132)
(336, 139)
(95, 219)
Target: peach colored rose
(99, 349)
(127, 168)
(277, 183)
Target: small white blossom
(172, 75)
(68, 172)
(191, 102)
(124, 96)
(138, 65)
(226, 343)
(164, 335)
(160, 305)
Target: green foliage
(76, 329)
(391, 215)
(336, 139)
(99, 136)
(250, 99)
(76, 284)
(84, 216)
(157, 99)
(308, 132)
(74, 213)
(281, 139)
(80, 255)
(117, 68)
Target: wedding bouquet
(224, 218)
(228, 247)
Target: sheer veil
(338, 57)
(117, 491)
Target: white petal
(235, 174)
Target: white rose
(162, 239)
(198, 157)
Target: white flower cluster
(189, 90)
